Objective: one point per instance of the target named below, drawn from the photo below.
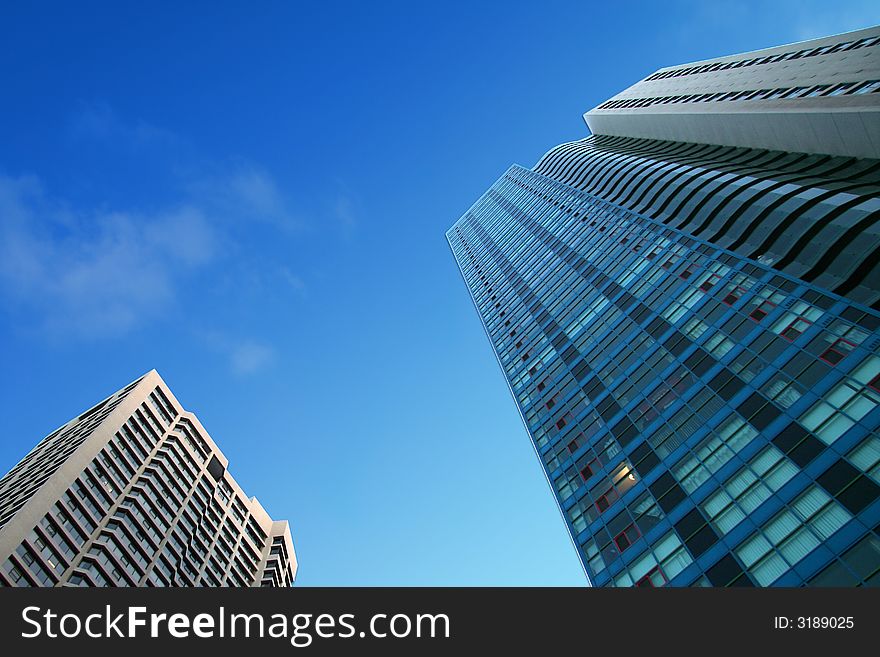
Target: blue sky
(253, 201)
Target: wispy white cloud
(244, 356)
(100, 271)
(241, 193)
(296, 283)
(183, 234)
(93, 273)
(345, 215)
(78, 272)
(231, 190)
(259, 191)
(249, 357)
(98, 122)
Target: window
(840, 89)
(837, 351)
(762, 310)
(795, 329)
(782, 390)
(710, 282)
(866, 457)
(606, 499)
(749, 487)
(734, 295)
(815, 91)
(688, 271)
(564, 420)
(655, 577)
(594, 557)
(868, 373)
(627, 537)
(794, 91)
(16, 575)
(791, 535)
(657, 567)
(867, 87)
(843, 405)
(590, 468)
(713, 452)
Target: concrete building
(134, 492)
(811, 97)
(688, 322)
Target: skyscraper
(134, 492)
(685, 307)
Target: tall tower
(134, 492)
(685, 307)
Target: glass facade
(702, 417)
(814, 217)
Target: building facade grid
(701, 418)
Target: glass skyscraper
(685, 306)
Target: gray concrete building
(810, 97)
(134, 492)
